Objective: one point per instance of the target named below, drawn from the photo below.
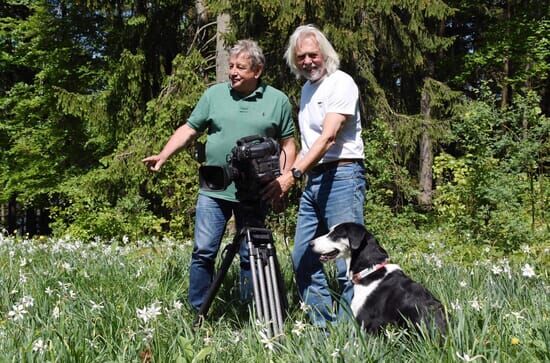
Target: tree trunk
(505, 100)
(12, 215)
(426, 155)
(202, 14)
(222, 53)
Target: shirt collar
(258, 92)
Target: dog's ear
(356, 235)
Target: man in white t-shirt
(332, 159)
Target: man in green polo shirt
(228, 111)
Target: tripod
(267, 282)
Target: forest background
(455, 101)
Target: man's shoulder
(340, 79)
(222, 87)
(271, 91)
(341, 75)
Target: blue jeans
(331, 197)
(211, 219)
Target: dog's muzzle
(325, 257)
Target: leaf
(186, 346)
(202, 355)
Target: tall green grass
(63, 300)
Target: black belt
(321, 168)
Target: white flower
(497, 270)
(177, 304)
(92, 343)
(525, 249)
(142, 314)
(96, 306)
(39, 346)
(155, 310)
(299, 327)
(467, 358)
(304, 307)
(336, 353)
(528, 271)
(56, 312)
(67, 266)
(148, 332)
(438, 263)
(476, 305)
(27, 301)
(515, 314)
(390, 332)
(22, 262)
(22, 278)
(237, 337)
(17, 313)
(463, 283)
(267, 342)
(48, 291)
(456, 305)
(149, 313)
(207, 340)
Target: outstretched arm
(179, 139)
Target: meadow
(67, 300)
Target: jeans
(331, 197)
(211, 219)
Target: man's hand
(154, 162)
(277, 189)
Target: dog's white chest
(362, 292)
(360, 295)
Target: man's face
(309, 59)
(243, 78)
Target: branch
(197, 34)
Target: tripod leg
(276, 291)
(271, 283)
(263, 295)
(253, 255)
(231, 251)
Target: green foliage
(87, 89)
(515, 47)
(495, 190)
(40, 145)
(115, 199)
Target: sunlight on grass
(96, 301)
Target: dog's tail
(433, 318)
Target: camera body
(252, 163)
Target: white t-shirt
(336, 93)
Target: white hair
(330, 57)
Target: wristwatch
(297, 174)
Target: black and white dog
(383, 294)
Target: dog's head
(349, 241)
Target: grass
(63, 300)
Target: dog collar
(356, 278)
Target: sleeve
(199, 118)
(287, 123)
(343, 96)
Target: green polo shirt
(227, 116)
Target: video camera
(252, 163)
